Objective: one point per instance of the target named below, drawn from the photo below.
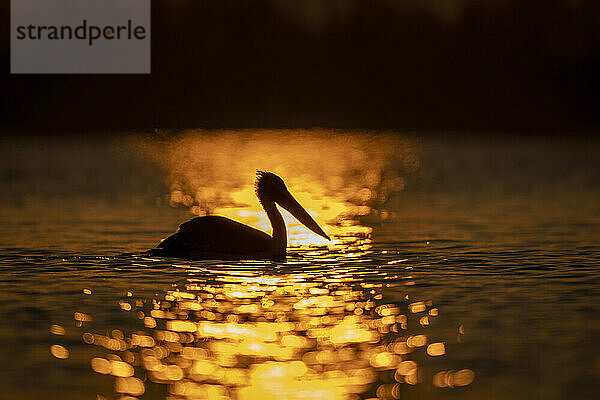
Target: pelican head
(270, 187)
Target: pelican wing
(215, 237)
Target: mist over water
(461, 267)
(337, 178)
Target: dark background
(469, 65)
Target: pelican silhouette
(220, 238)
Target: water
(462, 267)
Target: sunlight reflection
(241, 334)
(59, 351)
(57, 330)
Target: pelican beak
(290, 204)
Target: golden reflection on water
(337, 179)
(59, 351)
(246, 335)
(322, 332)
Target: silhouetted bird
(220, 238)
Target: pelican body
(220, 238)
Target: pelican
(219, 238)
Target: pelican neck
(279, 230)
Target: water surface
(461, 267)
